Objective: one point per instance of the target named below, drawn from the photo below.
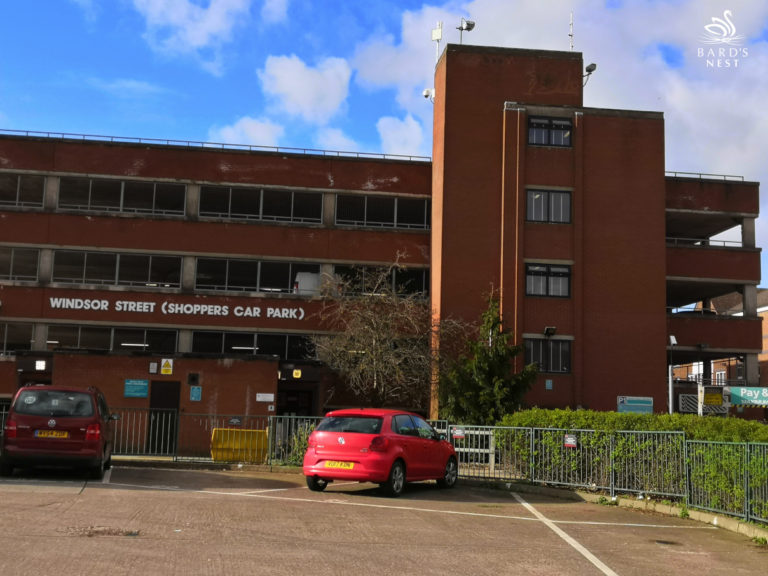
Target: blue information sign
(636, 404)
(136, 389)
(195, 393)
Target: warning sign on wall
(166, 366)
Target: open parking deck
(151, 521)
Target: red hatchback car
(388, 447)
(56, 426)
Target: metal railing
(723, 477)
(703, 176)
(211, 145)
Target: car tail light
(10, 429)
(379, 444)
(93, 433)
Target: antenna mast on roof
(437, 35)
(570, 33)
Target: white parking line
(570, 540)
(267, 494)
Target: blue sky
(349, 74)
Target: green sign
(743, 396)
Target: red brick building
(190, 273)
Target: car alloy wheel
(451, 474)
(396, 482)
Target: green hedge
(709, 428)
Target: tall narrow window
(548, 206)
(548, 280)
(549, 131)
(551, 355)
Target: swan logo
(722, 31)
(723, 42)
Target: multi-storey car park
(185, 275)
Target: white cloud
(274, 11)
(400, 136)
(88, 7)
(335, 139)
(182, 26)
(313, 94)
(127, 87)
(249, 131)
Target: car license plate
(343, 465)
(51, 434)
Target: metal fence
(726, 478)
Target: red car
(56, 426)
(388, 447)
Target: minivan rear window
(37, 402)
(359, 424)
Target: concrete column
(749, 300)
(51, 194)
(39, 337)
(329, 209)
(748, 232)
(185, 341)
(751, 370)
(326, 276)
(193, 201)
(188, 273)
(45, 267)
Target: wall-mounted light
(589, 69)
(550, 331)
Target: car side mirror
(441, 437)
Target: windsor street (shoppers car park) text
(184, 309)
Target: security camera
(427, 93)
(591, 68)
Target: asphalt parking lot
(190, 522)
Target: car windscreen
(359, 424)
(39, 402)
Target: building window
(548, 206)
(149, 270)
(382, 211)
(22, 190)
(15, 336)
(549, 131)
(19, 264)
(242, 203)
(79, 337)
(107, 195)
(287, 347)
(140, 340)
(550, 355)
(250, 275)
(365, 279)
(105, 268)
(118, 339)
(548, 280)
(154, 198)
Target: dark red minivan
(56, 426)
